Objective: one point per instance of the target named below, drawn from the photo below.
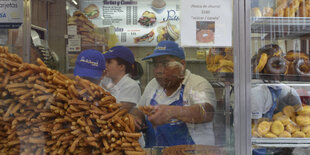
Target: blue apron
(170, 134)
(275, 93)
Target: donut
(302, 67)
(259, 62)
(276, 65)
(293, 54)
(271, 50)
(205, 36)
(291, 68)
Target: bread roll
(304, 9)
(289, 12)
(279, 12)
(281, 3)
(294, 4)
(267, 12)
(255, 12)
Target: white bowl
(158, 10)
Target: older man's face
(168, 72)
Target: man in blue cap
(90, 65)
(182, 102)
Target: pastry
(255, 12)
(267, 12)
(277, 127)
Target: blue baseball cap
(120, 52)
(167, 47)
(89, 63)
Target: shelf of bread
(282, 19)
(86, 29)
(291, 122)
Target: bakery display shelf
(280, 27)
(281, 142)
(280, 77)
(223, 76)
(263, 76)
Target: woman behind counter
(120, 67)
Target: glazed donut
(294, 55)
(291, 68)
(205, 36)
(259, 62)
(271, 50)
(302, 67)
(276, 65)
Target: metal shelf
(280, 77)
(281, 142)
(281, 27)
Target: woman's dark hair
(135, 70)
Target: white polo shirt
(126, 90)
(197, 91)
(261, 99)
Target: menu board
(136, 22)
(206, 23)
(11, 13)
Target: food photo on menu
(168, 32)
(205, 31)
(147, 19)
(158, 6)
(91, 11)
(148, 37)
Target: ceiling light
(74, 2)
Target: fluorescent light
(74, 2)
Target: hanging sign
(206, 23)
(11, 14)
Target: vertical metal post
(248, 76)
(227, 114)
(242, 77)
(27, 31)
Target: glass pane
(119, 77)
(280, 81)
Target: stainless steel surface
(242, 78)
(281, 140)
(281, 27)
(283, 145)
(227, 114)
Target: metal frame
(242, 77)
(27, 30)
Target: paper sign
(11, 13)
(72, 30)
(74, 43)
(206, 23)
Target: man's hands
(139, 119)
(162, 114)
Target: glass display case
(48, 107)
(278, 45)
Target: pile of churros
(45, 112)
